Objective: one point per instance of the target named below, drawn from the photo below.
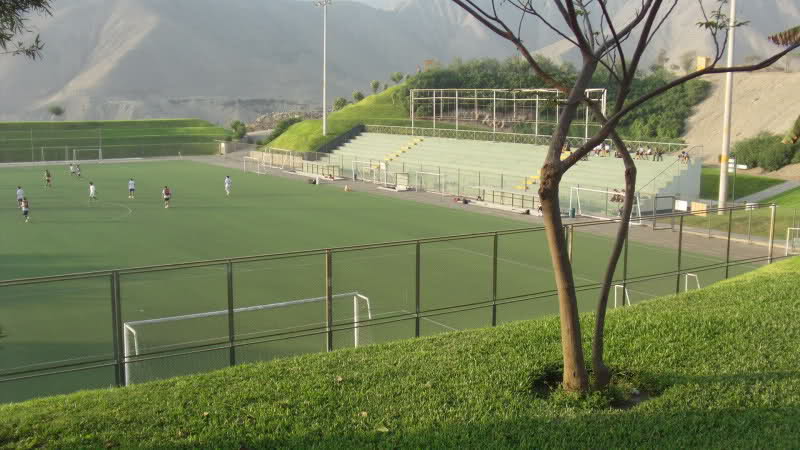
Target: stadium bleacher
(465, 165)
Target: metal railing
(73, 331)
(516, 138)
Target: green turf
(720, 364)
(264, 215)
(32, 141)
(744, 186)
(788, 199)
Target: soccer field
(70, 321)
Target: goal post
(603, 203)
(370, 171)
(54, 153)
(87, 154)
(145, 340)
(430, 182)
(792, 241)
(255, 165)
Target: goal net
(370, 171)
(792, 241)
(603, 203)
(55, 153)
(87, 154)
(255, 165)
(178, 345)
(430, 182)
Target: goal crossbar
(131, 344)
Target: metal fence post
(417, 300)
(728, 249)
(329, 298)
(680, 250)
(771, 231)
(119, 372)
(494, 281)
(749, 225)
(231, 329)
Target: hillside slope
(718, 366)
(761, 101)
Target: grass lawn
(378, 109)
(264, 215)
(37, 141)
(720, 364)
(745, 184)
(789, 199)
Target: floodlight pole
(324, 4)
(726, 121)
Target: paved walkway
(770, 192)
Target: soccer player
(71, 169)
(26, 208)
(131, 189)
(228, 184)
(20, 196)
(92, 192)
(48, 178)
(167, 194)
(78, 170)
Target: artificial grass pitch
(70, 321)
(721, 365)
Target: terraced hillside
(54, 141)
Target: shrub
(239, 129)
(357, 96)
(339, 103)
(765, 150)
(281, 127)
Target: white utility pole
(726, 121)
(324, 4)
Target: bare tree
(618, 47)
(13, 23)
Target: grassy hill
(33, 141)
(378, 109)
(720, 367)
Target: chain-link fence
(114, 328)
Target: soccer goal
(284, 327)
(686, 282)
(430, 182)
(254, 165)
(603, 203)
(53, 153)
(621, 295)
(87, 154)
(370, 171)
(792, 241)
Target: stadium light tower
(726, 121)
(324, 5)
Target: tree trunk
(602, 374)
(576, 378)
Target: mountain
(228, 59)
(220, 59)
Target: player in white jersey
(131, 189)
(167, 195)
(20, 196)
(92, 192)
(71, 169)
(228, 184)
(78, 170)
